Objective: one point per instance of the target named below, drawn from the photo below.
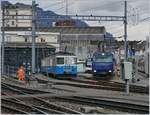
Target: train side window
(75, 60)
(60, 60)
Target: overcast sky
(138, 10)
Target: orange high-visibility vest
(21, 74)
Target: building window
(26, 40)
(7, 12)
(42, 39)
(13, 23)
(16, 16)
(7, 25)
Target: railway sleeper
(22, 106)
(5, 109)
(57, 107)
(133, 108)
(136, 107)
(30, 91)
(48, 110)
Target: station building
(82, 41)
(18, 41)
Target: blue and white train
(103, 63)
(60, 64)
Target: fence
(10, 71)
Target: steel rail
(25, 90)
(133, 88)
(21, 106)
(7, 108)
(106, 85)
(102, 84)
(41, 109)
(48, 110)
(35, 107)
(56, 107)
(48, 105)
(4, 86)
(128, 107)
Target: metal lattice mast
(125, 30)
(33, 35)
(3, 40)
(125, 43)
(66, 7)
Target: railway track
(8, 90)
(5, 109)
(47, 105)
(113, 104)
(19, 107)
(101, 84)
(19, 89)
(29, 108)
(33, 105)
(115, 85)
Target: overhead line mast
(33, 34)
(66, 7)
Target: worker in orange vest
(21, 73)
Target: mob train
(60, 64)
(102, 63)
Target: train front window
(71, 60)
(103, 59)
(74, 61)
(60, 60)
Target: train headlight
(109, 71)
(94, 70)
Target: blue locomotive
(60, 64)
(103, 63)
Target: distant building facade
(15, 11)
(82, 41)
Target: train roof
(64, 53)
(60, 54)
(99, 53)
